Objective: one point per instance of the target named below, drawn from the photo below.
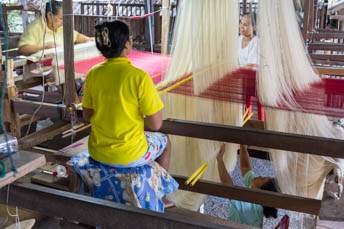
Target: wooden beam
(325, 46)
(327, 35)
(10, 8)
(165, 25)
(106, 214)
(336, 71)
(319, 62)
(311, 16)
(339, 58)
(244, 6)
(25, 163)
(35, 95)
(149, 25)
(43, 135)
(306, 16)
(12, 94)
(46, 110)
(257, 196)
(261, 138)
(329, 31)
(70, 94)
(252, 137)
(324, 17)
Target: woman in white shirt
(248, 57)
(248, 54)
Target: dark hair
(269, 211)
(53, 7)
(253, 19)
(111, 37)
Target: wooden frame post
(149, 28)
(306, 19)
(244, 7)
(15, 125)
(323, 16)
(165, 25)
(70, 95)
(11, 119)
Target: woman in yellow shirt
(120, 101)
(46, 31)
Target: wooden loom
(319, 146)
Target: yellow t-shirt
(120, 96)
(34, 34)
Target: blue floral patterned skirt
(143, 186)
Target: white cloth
(249, 54)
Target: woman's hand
(223, 173)
(49, 45)
(243, 147)
(222, 150)
(250, 67)
(91, 39)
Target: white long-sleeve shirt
(249, 54)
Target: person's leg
(164, 158)
(160, 151)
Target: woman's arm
(223, 173)
(245, 164)
(154, 122)
(81, 38)
(31, 49)
(87, 114)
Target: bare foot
(168, 203)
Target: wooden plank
(25, 163)
(43, 135)
(12, 7)
(329, 31)
(306, 16)
(47, 110)
(35, 95)
(336, 71)
(311, 16)
(75, 207)
(165, 25)
(329, 35)
(262, 197)
(149, 24)
(51, 181)
(262, 138)
(255, 124)
(24, 84)
(318, 62)
(58, 142)
(339, 58)
(247, 136)
(244, 6)
(70, 94)
(325, 46)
